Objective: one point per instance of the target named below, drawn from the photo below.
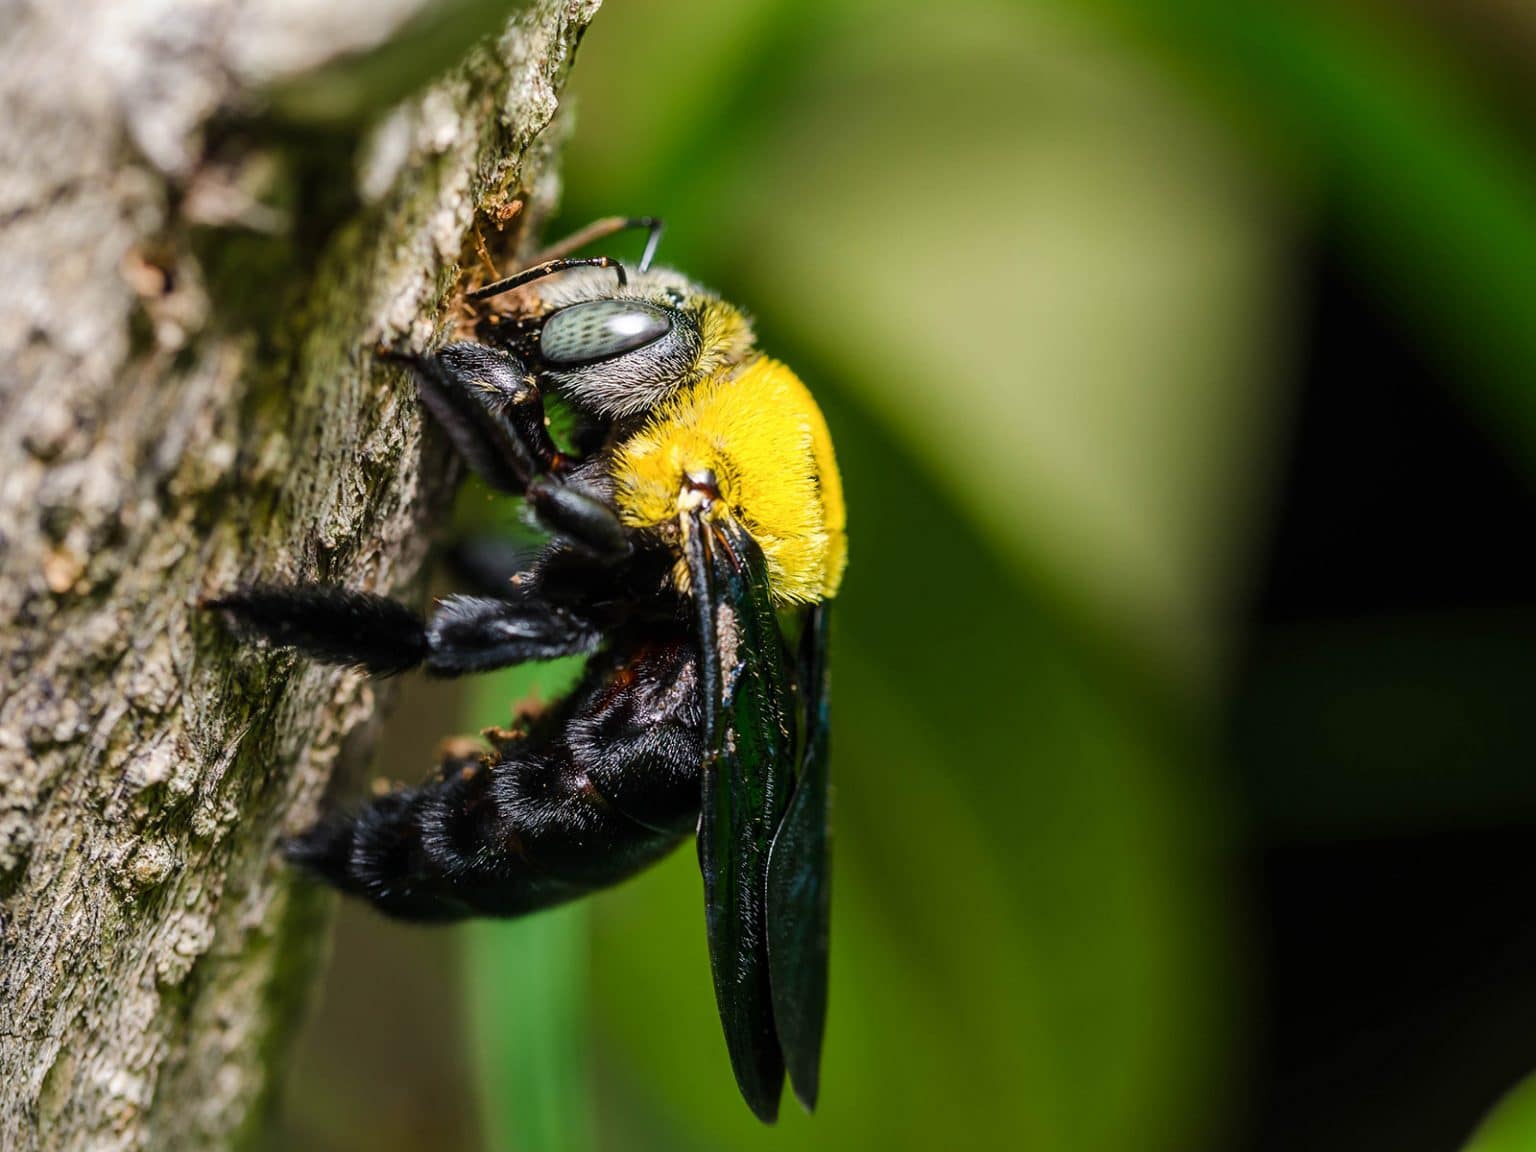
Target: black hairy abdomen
(591, 792)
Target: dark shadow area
(1382, 737)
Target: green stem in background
(526, 986)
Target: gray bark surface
(195, 275)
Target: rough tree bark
(194, 277)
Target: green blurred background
(1181, 363)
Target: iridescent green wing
(800, 877)
(747, 778)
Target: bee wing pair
(763, 843)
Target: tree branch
(188, 400)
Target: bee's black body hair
(573, 800)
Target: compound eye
(601, 330)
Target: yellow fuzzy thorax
(761, 434)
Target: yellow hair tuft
(761, 434)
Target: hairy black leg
(478, 633)
(583, 519)
(331, 625)
(465, 633)
(490, 407)
(586, 796)
(485, 400)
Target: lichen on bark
(189, 399)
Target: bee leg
(594, 791)
(465, 633)
(479, 633)
(491, 409)
(582, 519)
(331, 625)
(487, 402)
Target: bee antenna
(652, 242)
(550, 267)
(601, 229)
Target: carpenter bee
(696, 539)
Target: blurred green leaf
(1439, 195)
(1511, 1127)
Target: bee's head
(618, 350)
